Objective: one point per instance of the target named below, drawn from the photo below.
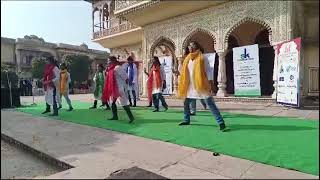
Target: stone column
(18, 60)
(222, 75)
(275, 76)
(176, 77)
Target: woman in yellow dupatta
(195, 84)
(64, 86)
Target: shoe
(184, 123)
(53, 114)
(166, 108)
(223, 127)
(149, 106)
(46, 111)
(156, 110)
(192, 114)
(129, 113)
(113, 118)
(134, 105)
(92, 107)
(59, 107)
(70, 109)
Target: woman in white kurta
(156, 83)
(51, 82)
(116, 88)
(196, 83)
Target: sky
(67, 22)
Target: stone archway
(205, 38)
(247, 32)
(162, 48)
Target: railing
(111, 27)
(313, 80)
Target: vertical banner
(288, 59)
(246, 71)
(166, 62)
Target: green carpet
(284, 142)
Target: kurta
(156, 90)
(192, 93)
(99, 84)
(65, 84)
(128, 70)
(49, 92)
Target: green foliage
(38, 65)
(79, 67)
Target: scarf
(156, 69)
(131, 73)
(63, 81)
(202, 85)
(48, 75)
(110, 86)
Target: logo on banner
(245, 56)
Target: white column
(275, 75)
(222, 75)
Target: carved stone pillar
(275, 77)
(176, 77)
(222, 75)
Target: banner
(166, 62)
(246, 71)
(288, 59)
(210, 60)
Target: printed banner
(210, 60)
(166, 62)
(288, 59)
(246, 71)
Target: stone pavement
(97, 153)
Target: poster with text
(246, 71)
(166, 62)
(288, 60)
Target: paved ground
(16, 164)
(97, 153)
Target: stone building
(164, 28)
(20, 52)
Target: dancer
(116, 88)
(193, 102)
(99, 83)
(132, 74)
(64, 86)
(194, 83)
(156, 83)
(51, 85)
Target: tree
(79, 67)
(38, 65)
(6, 74)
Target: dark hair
(186, 51)
(129, 58)
(51, 59)
(101, 66)
(197, 45)
(156, 60)
(113, 59)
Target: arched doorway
(164, 49)
(232, 43)
(266, 62)
(249, 33)
(207, 41)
